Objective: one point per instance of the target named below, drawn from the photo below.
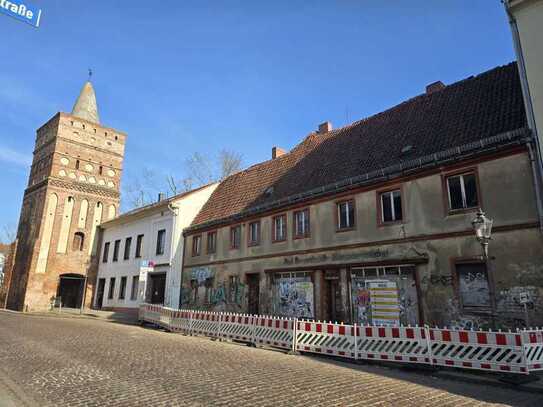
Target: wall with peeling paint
(429, 238)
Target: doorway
(253, 281)
(332, 297)
(158, 288)
(100, 293)
(70, 290)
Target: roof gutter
(484, 146)
(535, 156)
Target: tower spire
(85, 106)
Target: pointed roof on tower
(85, 106)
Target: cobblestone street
(72, 361)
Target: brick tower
(73, 186)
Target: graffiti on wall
(201, 274)
(294, 297)
(202, 292)
(437, 280)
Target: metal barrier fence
(507, 352)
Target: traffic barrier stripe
(514, 352)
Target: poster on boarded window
(294, 297)
(385, 306)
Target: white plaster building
(141, 252)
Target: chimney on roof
(325, 127)
(161, 196)
(277, 152)
(434, 87)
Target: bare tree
(141, 190)
(230, 163)
(9, 232)
(200, 170)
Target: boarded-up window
(293, 295)
(384, 295)
(473, 287)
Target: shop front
(386, 295)
(361, 294)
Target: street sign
(21, 11)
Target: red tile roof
(470, 110)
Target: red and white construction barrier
(497, 351)
(205, 323)
(180, 321)
(327, 338)
(396, 344)
(532, 341)
(237, 327)
(518, 352)
(274, 331)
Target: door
(70, 290)
(158, 287)
(100, 292)
(253, 280)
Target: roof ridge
(419, 96)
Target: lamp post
(482, 227)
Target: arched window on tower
(76, 164)
(79, 241)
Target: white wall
(149, 223)
(529, 17)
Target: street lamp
(483, 229)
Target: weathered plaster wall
(429, 237)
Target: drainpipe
(174, 211)
(535, 157)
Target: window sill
(301, 237)
(391, 223)
(350, 229)
(253, 244)
(279, 241)
(453, 212)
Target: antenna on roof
(90, 74)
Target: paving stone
(82, 362)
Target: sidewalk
(110, 316)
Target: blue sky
(184, 76)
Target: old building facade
(371, 223)
(73, 186)
(142, 253)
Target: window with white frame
(196, 245)
(279, 228)
(254, 233)
(462, 191)
(391, 206)
(301, 223)
(345, 214)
